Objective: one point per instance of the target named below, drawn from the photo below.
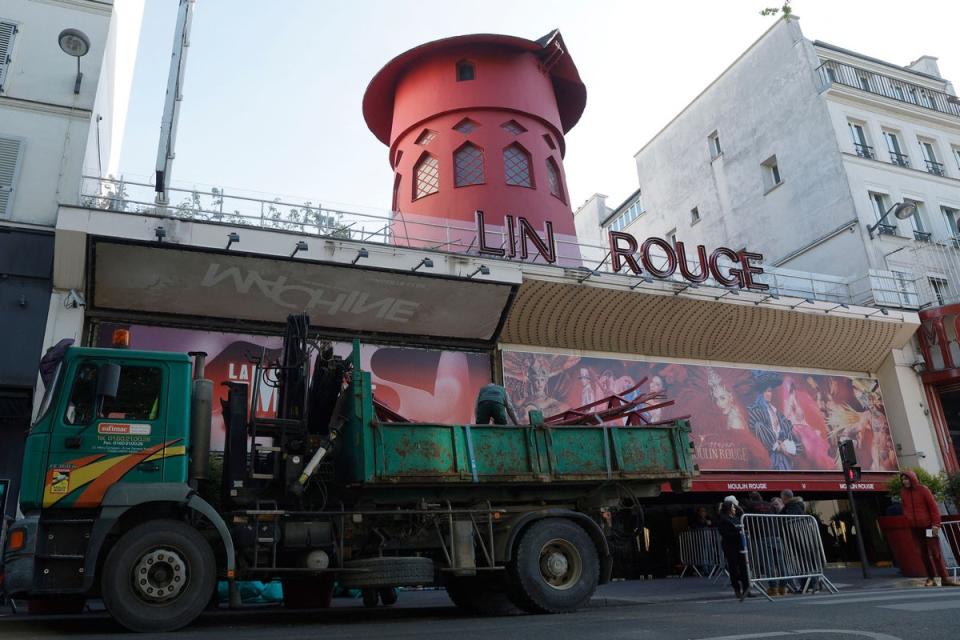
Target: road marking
(923, 606)
(880, 598)
(800, 632)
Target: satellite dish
(904, 210)
(74, 42)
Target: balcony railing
(887, 229)
(864, 151)
(831, 71)
(922, 236)
(935, 167)
(900, 159)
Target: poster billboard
(742, 419)
(428, 385)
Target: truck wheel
(388, 572)
(389, 596)
(303, 593)
(158, 576)
(481, 595)
(555, 567)
(370, 598)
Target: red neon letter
(671, 265)
(750, 270)
(482, 237)
(547, 249)
(685, 268)
(616, 253)
(737, 278)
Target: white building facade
(796, 151)
(55, 126)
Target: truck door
(110, 428)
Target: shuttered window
(7, 31)
(10, 151)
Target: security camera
(74, 300)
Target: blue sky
(273, 88)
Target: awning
(799, 483)
(603, 313)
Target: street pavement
(886, 607)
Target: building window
(895, 150)
(396, 159)
(880, 206)
(864, 82)
(465, 126)
(941, 290)
(917, 224)
(553, 147)
(771, 173)
(514, 127)
(956, 155)
(713, 142)
(553, 178)
(396, 191)
(466, 71)
(672, 237)
(10, 153)
(516, 166)
(930, 157)
(428, 176)
(859, 136)
(468, 165)
(951, 217)
(7, 32)
(694, 215)
(424, 139)
(631, 213)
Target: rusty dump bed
(405, 453)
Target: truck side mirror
(108, 380)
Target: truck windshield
(48, 395)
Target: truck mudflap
(18, 566)
(506, 544)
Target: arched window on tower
(396, 191)
(468, 165)
(516, 166)
(427, 172)
(553, 177)
(465, 71)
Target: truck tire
(307, 593)
(158, 576)
(389, 596)
(481, 595)
(388, 572)
(555, 567)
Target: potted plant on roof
(896, 529)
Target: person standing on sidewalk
(732, 543)
(923, 515)
(794, 506)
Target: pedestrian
(792, 505)
(923, 515)
(756, 504)
(494, 404)
(733, 544)
(701, 519)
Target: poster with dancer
(742, 419)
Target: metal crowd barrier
(700, 551)
(950, 546)
(784, 551)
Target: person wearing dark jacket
(923, 515)
(792, 505)
(732, 543)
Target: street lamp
(74, 43)
(902, 210)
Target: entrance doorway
(15, 409)
(950, 401)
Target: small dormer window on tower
(465, 71)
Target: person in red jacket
(923, 515)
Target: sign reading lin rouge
(659, 258)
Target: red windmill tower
(477, 123)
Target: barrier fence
(784, 551)
(700, 551)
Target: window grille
(516, 166)
(465, 126)
(468, 164)
(425, 138)
(428, 176)
(514, 127)
(553, 177)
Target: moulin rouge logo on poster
(654, 256)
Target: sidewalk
(673, 589)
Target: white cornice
(877, 102)
(99, 7)
(46, 108)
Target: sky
(273, 89)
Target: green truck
(122, 500)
